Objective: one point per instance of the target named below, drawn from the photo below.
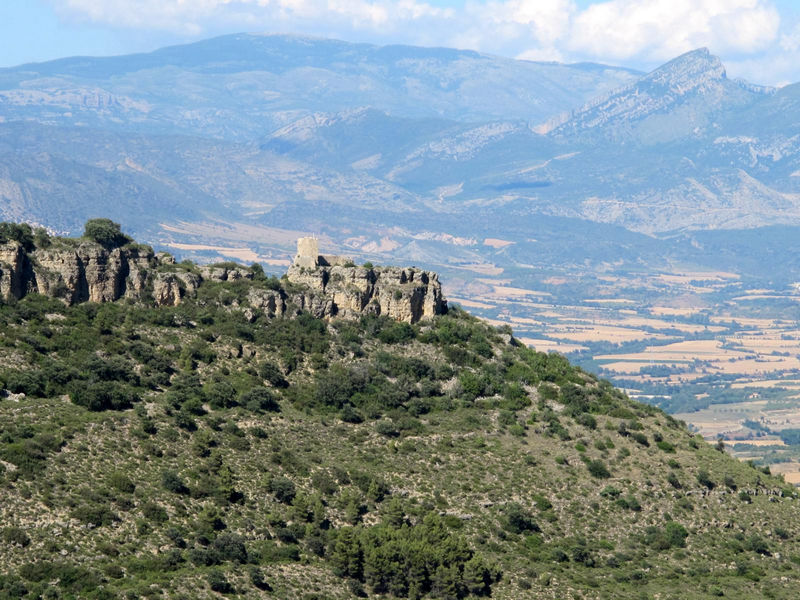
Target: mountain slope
(678, 100)
(242, 86)
(212, 447)
(228, 129)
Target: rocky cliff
(84, 271)
(334, 286)
(403, 294)
(76, 271)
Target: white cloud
(196, 16)
(790, 41)
(662, 29)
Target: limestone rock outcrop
(335, 287)
(75, 272)
(326, 286)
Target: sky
(758, 40)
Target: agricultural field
(697, 343)
(706, 346)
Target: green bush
(154, 512)
(17, 232)
(519, 520)
(259, 400)
(230, 547)
(283, 489)
(121, 482)
(105, 232)
(172, 482)
(218, 582)
(103, 395)
(665, 446)
(598, 469)
(271, 373)
(704, 479)
(15, 535)
(396, 333)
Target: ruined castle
(326, 286)
(405, 294)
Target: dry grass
(551, 346)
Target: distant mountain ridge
(255, 83)
(363, 143)
(676, 100)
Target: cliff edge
(404, 294)
(83, 270)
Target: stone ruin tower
(307, 253)
(337, 287)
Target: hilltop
(209, 447)
(105, 265)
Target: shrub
(17, 232)
(283, 489)
(397, 333)
(271, 373)
(154, 512)
(103, 395)
(259, 400)
(518, 520)
(230, 546)
(703, 478)
(758, 544)
(29, 382)
(258, 581)
(673, 535)
(121, 482)
(15, 535)
(350, 414)
(173, 483)
(218, 583)
(221, 394)
(597, 468)
(665, 446)
(387, 428)
(105, 232)
(94, 514)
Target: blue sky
(758, 40)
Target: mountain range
(399, 151)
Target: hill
(215, 447)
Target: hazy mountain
(364, 143)
(679, 100)
(242, 86)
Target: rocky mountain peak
(675, 100)
(337, 287)
(693, 70)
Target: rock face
(337, 288)
(87, 272)
(326, 286)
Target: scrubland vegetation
(206, 449)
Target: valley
(608, 408)
(716, 348)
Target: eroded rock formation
(326, 286)
(336, 287)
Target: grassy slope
(127, 503)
